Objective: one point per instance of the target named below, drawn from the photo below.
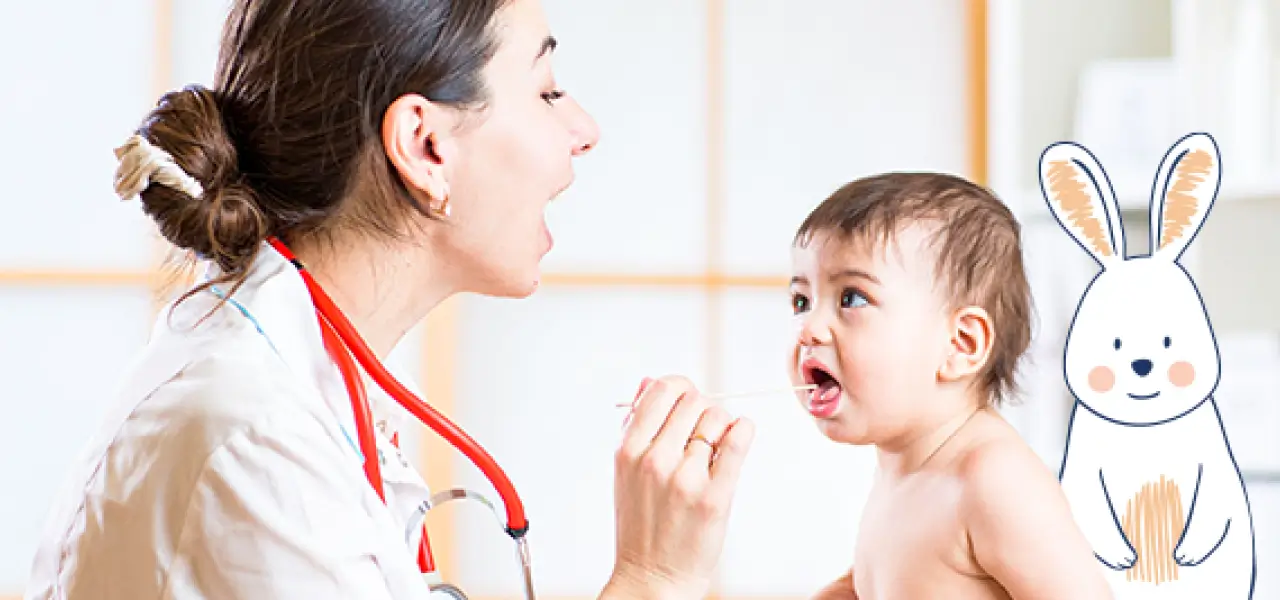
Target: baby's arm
(1021, 528)
(840, 589)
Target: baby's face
(872, 331)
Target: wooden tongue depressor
(743, 394)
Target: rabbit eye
(1118, 343)
(1167, 341)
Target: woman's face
(511, 161)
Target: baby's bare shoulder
(1018, 523)
(1000, 471)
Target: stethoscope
(341, 341)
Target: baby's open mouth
(1144, 397)
(828, 391)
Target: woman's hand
(676, 472)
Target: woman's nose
(583, 130)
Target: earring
(444, 209)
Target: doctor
(404, 150)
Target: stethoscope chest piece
(522, 543)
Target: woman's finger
(644, 420)
(730, 454)
(644, 385)
(650, 414)
(679, 426)
(702, 445)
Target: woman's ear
(972, 335)
(415, 138)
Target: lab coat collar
(276, 300)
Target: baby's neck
(915, 450)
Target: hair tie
(142, 164)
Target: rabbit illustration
(1147, 467)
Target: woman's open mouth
(824, 399)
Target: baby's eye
(799, 303)
(553, 95)
(852, 299)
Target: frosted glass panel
(820, 96)
(1058, 271)
(64, 352)
(537, 383)
(795, 518)
(65, 110)
(197, 28)
(639, 69)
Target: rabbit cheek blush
(1182, 374)
(1102, 379)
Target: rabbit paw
(1198, 543)
(1119, 556)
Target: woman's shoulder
(231, 387)
(228, 442)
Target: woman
(404, 151)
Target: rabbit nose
(1141, 366)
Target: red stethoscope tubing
(342, 341)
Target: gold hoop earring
(440, 209)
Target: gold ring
(700, 438)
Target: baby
(912, 311)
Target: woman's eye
(552, 96)
(799, 303)
(852, 299)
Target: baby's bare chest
(912, 544)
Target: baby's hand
(1116, 552)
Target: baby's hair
(978, 251)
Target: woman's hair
(288, 142)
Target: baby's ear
(972, 337)
(1184, 190)
(1081, 199)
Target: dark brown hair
(978, 251)
(288, 141)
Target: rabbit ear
(1081, 199)
(1184, 190)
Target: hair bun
(182, 163)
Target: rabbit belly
(1151, 475)
(1152, 521)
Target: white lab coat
(228, 468)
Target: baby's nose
(1141, 366)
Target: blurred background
(724, 122)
